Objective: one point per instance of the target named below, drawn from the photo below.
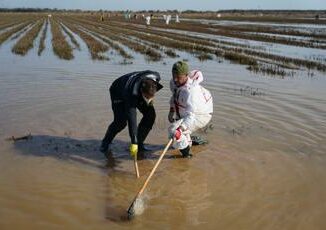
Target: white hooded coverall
(193, 105)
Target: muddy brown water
(264, 168)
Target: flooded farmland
(264, 166)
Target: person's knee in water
(130, 92)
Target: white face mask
(148, 101)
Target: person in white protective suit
(191, 106)
(148, 20)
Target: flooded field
(264, 166)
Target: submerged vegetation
(60, 46)
(42, 40)
(270, 70)
(17, 35)
(4, 36)
(27, 41)
(71, 36)
(95, 47)
(171, 53)
(204, 57)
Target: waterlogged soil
(266, 47)
(310, 26)
(264, 166)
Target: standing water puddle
(264, 167)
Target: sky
(166, 4)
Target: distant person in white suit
(148, 20)
(167, 19)
(177, 20)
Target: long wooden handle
(136, 166)
(154, 168)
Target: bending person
(130, 92)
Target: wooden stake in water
(137, 206)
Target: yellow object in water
(133, 150)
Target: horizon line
(103, 9)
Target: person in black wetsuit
(130, 92)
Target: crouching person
(191, 106)
(130, 92)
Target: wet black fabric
(125, 99)
(186, 152)
(120, 122)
